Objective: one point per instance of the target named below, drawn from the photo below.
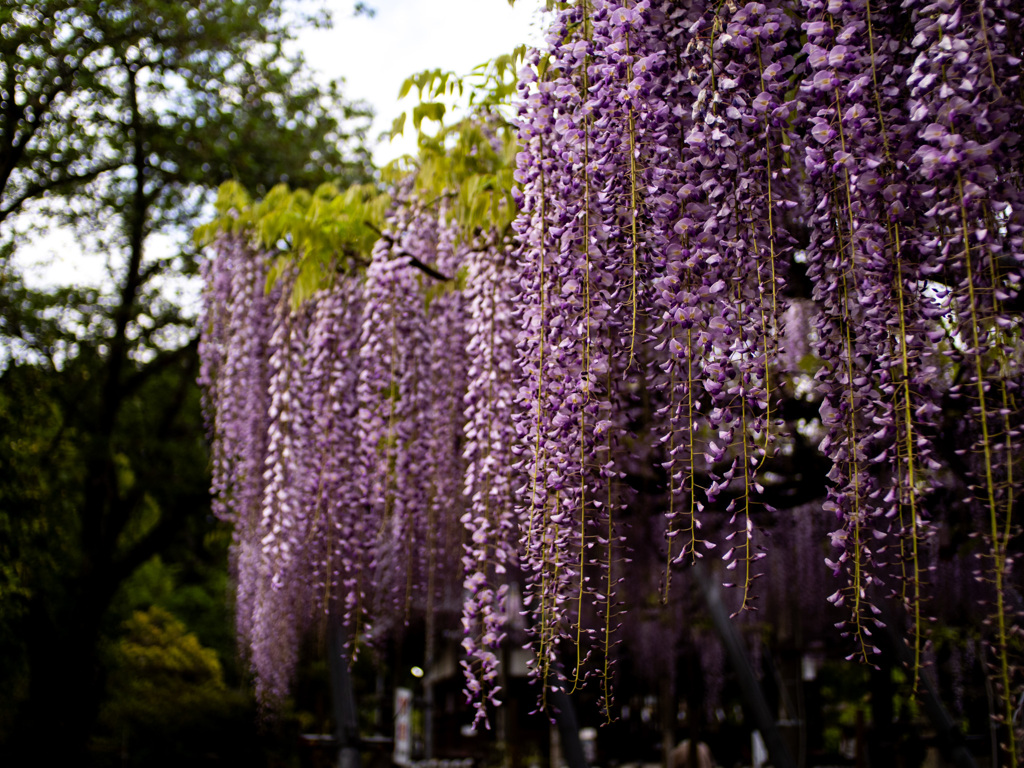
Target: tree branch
(413, 261)
(428, 270)
(159, 363)
(35, 190)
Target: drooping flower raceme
(725, 166)
(748, 233)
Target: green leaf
(432, 110)
(398, 125)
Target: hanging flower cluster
(237, 322)
(490, 556)
(727, 213)
(721, 199)
(338, 439)
(282, 450)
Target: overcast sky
(374, 55)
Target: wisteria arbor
(741, 235)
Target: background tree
(118, 119)
(169, 700)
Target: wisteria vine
(724, 166)
(727, 212)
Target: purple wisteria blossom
(721, 199)
(754, 241)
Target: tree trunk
(66, 681)
(568, 729)
(343, 698)
(752, 693)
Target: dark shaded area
(119, 120)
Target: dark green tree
(169, 700)
(118, 118)
(100, 96)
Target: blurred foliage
(50, 404)
(169, 703)
(204, 89)
(464, 168)
(119, 118)
(161, 671)
(472, 158)
(319, 233)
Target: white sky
(375, 56)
